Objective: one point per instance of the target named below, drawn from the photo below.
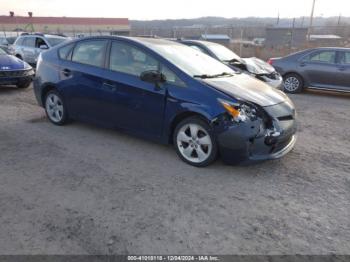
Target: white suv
(28, 46)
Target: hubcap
(194, 143)
(291, 84)
(54, 107)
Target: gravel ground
(80, 189)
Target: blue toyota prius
(168, 92)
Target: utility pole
(311, 20)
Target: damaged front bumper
(257, 140)
(274, 80)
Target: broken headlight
(239, 112)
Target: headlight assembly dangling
(240, 112)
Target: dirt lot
(80, 189)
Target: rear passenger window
(64, 52)
(344, 58)
(90, 52)
(130, 60)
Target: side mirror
(44, 47)
(153, 77)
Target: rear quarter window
(65, 52)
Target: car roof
(142, 40)
(329, 48)
(198, 42)
(42, 35)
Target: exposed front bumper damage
(274, 80)
(16, 77)
(258, 140)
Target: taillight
(270, 61)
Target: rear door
(82, 82)
(138, 105)
(342, 77)
(319, 68)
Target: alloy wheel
(54, 107)
(291, 83)
(194, 143)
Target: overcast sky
(173, 9)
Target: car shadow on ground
(326, 93)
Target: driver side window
(127, 59)
(39, 42)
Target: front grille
(16, 73)
(282, 144)
(285, 118)
(273, 75)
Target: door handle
(66, 72)
(341, 68)
(302, 64)
(109, 85)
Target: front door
(319, 68)
(138, 105)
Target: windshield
(191, 61)
(55, 40)
(11, 40)
(223, 53)
(2, 52)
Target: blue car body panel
(119, 100)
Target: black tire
(204, 131)
(293, 83)
(25, 84)
(62, 118)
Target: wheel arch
(45, 90)
(180, 117)
(295, 73)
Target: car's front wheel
(55, 109)
(293, 83)
(194, 142)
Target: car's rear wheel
(293, 83)
(55, 109)
(194, 142)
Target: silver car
(251, 66)
(28, 46)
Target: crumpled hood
(10, 62)
(258, 66)
(246, 88)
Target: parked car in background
(319, 68)
(28, 46)
(6, 42)
(168, 92)
(253, 66)
(14, 71)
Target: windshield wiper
(204, 76)
(233, 61)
